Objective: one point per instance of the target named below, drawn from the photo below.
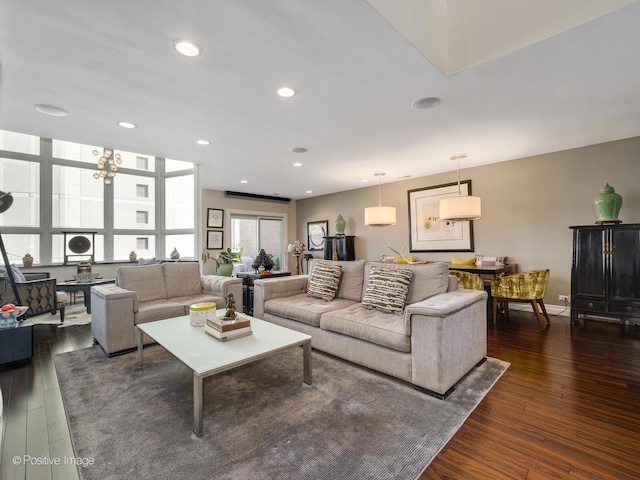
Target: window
(255, 232)
(142, 163)
(142, 217)
(78, 199)
(128, 205)
(19, 143)
(179, 208)
(123, 215)
(142, 191)
(22, 179)
(142, 243)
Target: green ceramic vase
(224, 269)
(340, 224)
(607, 204)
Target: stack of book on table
(225, 330)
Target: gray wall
(528, 205)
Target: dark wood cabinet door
(625, 264)
(589, 275)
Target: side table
(84, 287)
(247, 286)
(16, 343)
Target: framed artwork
(427, 233)
(215, 217)
(316, 231)
(214, 239)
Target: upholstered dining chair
(526, 287)
(468, 280)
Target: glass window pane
(57, 248)
(244, 234)
(176, 165)
(129, 207)
(143, 245)
(76, 151)
(17, 245)
(22, 179)
(185, 244)
(19, 142)
(136, 161)
(179, 204)
(77, 198)
(271, 236)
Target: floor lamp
(6, 200)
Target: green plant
(227, 256)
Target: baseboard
(561, 310)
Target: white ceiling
(356, 76)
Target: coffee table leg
(197, 404)
(140, 347)
(307, 362)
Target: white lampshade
(460, 208)
(379, 216)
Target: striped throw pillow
(324, 281)
(387, 289)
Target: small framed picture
(215, 217)
(214, 239)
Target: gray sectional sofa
(437, 339)
(154, 292)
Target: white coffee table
(208, 356)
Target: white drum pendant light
(458, 209)
(379, 216)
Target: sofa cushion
(303, 308)
(158, 310)
(371, 325)
(182, 278)
(429, 279)
(350, 287)
(387, 289)
(324, 281)
(146, 281)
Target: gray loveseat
(439, 337)
(154, 292)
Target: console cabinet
(605, 272)
(344, 247)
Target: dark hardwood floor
(568, 407)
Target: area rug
(73, 315)
(260, 420)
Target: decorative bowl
(8, 319)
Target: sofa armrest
(113, 317)
(267, 289)
(448, 337)
(222, 286)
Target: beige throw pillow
(324, 281)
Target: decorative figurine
(230, 314)
(261, 269)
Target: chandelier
(107, 165)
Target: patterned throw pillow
(324, 281)
(490, 260)
(387, 289)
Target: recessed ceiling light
(187, 48)
(426, 103)
(127, 125)
(309, 191)
(297, 164)
(286, 92)
(364, 180)
(299, 150)
(244, 181)
(51, 110)
(203, 142)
